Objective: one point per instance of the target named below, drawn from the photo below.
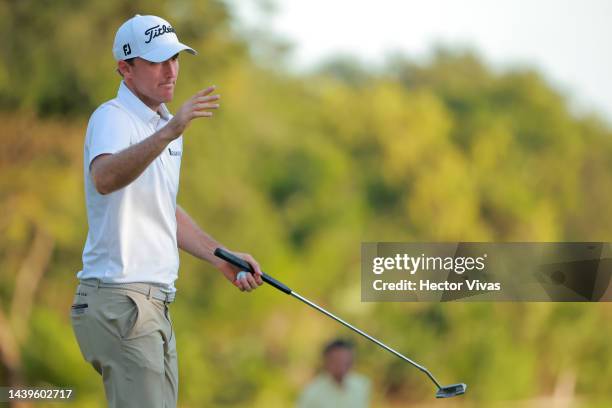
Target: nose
(170, 68)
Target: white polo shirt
(132, 231)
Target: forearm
(193, 240)
(198, 243)
(115, 171)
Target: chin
(167, 97)
(166, 93)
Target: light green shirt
(324, 392)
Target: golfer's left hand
(243, 280)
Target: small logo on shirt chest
(174, 152)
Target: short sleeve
(109, 132)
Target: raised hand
(200, 105)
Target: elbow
(101, 184)
(103, 191)
(102, 175)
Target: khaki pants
(128, 338)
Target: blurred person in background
(132, 157)
(337, 386)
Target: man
(132, 158)
(337, 387)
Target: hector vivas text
(431, 264)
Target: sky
(568, 41)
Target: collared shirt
(325, 392)
(132, 231)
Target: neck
(153, 105)
(337, 380)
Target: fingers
(257, 272)
(201, 110)
(245, 281)
(206, 91)
(258, 279)
(199, 106)
(202, 114)
(254, 264)
(250, 281)
(202, 106)
(209, 98)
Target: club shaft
(241, 263)
(367, 336)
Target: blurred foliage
(299, 170)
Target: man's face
(338, 362)
(152, 82)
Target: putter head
(451, 391)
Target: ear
(124, 69)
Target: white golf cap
(148, 37)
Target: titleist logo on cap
(156, 31)
(149, 37)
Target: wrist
(215, 260)
(169, 132)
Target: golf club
(443, 392)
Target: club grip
(245, 266)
